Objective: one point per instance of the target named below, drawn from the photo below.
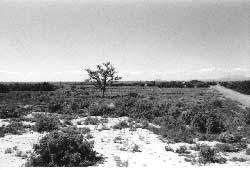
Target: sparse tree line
(5, 88)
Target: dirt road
(234, 95)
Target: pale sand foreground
(116, 146)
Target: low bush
(100, 110)
(84, 130)
(55, 107)
(169, 149)
(89, 136)
(10, 112)
(230, 137)
(91, 121)
(8, 151)
(248, 151)
(15, 128)
(209, 155)
(46, 122)
(135, 148)
(182, 150)
(225, 147)
(121, 125)
(68, 148)
(235, 159)
(133, 94)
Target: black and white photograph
(124, 83)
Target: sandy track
(234, 95)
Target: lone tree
(103, 76)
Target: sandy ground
(23, 143)
(234, 95)
(125, 147)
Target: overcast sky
(54, 40)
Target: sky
(55, 40)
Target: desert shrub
(121, 125)
(133, 94)
(182, 150)
(67, 148)
(125, 106)
(2, 134)
(169, 149)
(15, 128)
(10, 112)
(209, 155)
(207, 120)
(91, 121)
(86, 93)
(147, 109)
(104, 120)
(247, 116)
(54, 107)
(73, 129)
(235, 159)
(196, 147)
(67, 121)
(79, 122)
(89, 136)
(8, 151)
(228, 137)
(119, 162)
(225, 147)
(100, 110)
(135, 148)
(85, 103)
(46, 122)
(118, 139)
(84, 130)
(248, 151)
(217, 103)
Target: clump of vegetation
(15, 128)
(100, 110)
(118, 139)
(182, 150)
(136, 148)
(248, 151)
(230, 137)
(67, 148)
(133, 94)
(84, 130)
(235, 159)
(68, 122)
(209, 155)
(169, 149)
(119, 162)
(11, 111)
(91, 121)
(55, 107)
(225, 147)
(8, 151)
(121, 125)
(89, 136)
(45, 122)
